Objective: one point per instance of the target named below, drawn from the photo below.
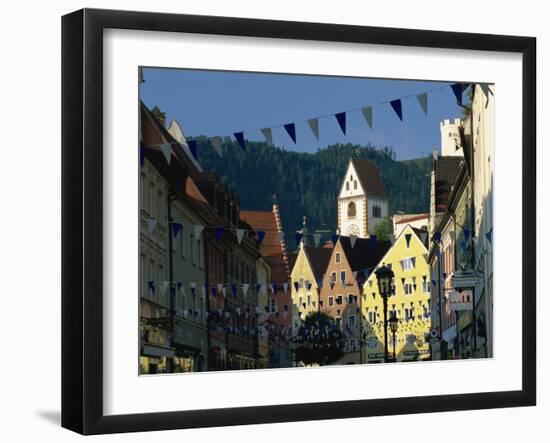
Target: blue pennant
(219, 234)
(298, 238)
(151, 285)
(176, 228)
(291, 130)
(341, 117)
(396, 105)
(408, 239)
(240, 139)
(234, 289)
(466, 233)
(457, 90)
(258, 287)
(193, 147)
(261, 236)
(489, 236)
(334, 239)
(437, 237)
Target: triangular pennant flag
(396, 105)
(392, 238)
(437, 237)
(314, 126)
(334, 239)
(151, 225)
(240, 234)
(291, 131)
(354, 274)
(457, 91)
(224, 291)
(217, 144)
(341, 118)
(220, 287)
(141, 155)
(166, 149)
(219, 233)
(352, 240)
(316, 239)
(489, 236)
(234, 289)
(280, 236)
(408, 239)
(466, 233)
(245, 288)
(285, 287)
(239, 136)
(198, 230)
(193, 148)
(367, 113)
(299, 236)
(176, 228)
(261, 236)
(423, 101)
(268, 135)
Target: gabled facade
(341, 289)
(305, 279)
(362, 201)
(410, 301)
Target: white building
(451, 144)
(363, 202)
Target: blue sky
(220, 103)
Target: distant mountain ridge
(308, 183)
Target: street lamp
(393, 321)
(384, 275)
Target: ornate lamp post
(393, 321)
(384, 275)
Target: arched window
(347, 186)
(352, 210)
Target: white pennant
(217, 144)
(245, 288)
(224, 291)
(316, 239)
(192, 285)
(166, 149)
(423, 101)
(314, 126)
(352, 240)
(240, 234)
(367, 113)
(285, 287)
(280, 236)
(220, 286)
(354, 274)
(392, 239)
(164, 286)
(198, 230)
(268, 135)
(151, 225)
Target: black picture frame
(82, 218)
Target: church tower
(363, 201)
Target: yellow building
(407, 258)
(307, 272)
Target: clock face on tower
(353, 230)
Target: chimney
(159, 115)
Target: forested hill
(308, 184)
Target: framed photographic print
(256, 212)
